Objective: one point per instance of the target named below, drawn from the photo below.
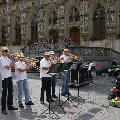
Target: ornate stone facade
(86, 22)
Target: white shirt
(5, 73)
(20, 75)
(44, 63)
(65, 58)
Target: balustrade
(86, 53)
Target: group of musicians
(48, 80)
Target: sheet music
(89, 68)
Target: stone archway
(74, 34)
(53, 36)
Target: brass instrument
(27, 60)
(57, 59)
(14, 56)
(32, 61)
(74, 57)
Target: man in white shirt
(7, 84)
(21, 77)
(65, 57)
(45, 64)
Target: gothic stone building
(86, 22)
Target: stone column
(61, 21)
(111, 22)
(23, 23)
(8, 21)
(84, 20)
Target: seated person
(115, 90)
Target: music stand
(59, 68)
(67, 67)
(78, 85)
(50, 71)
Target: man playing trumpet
(7, 84)
(21, 77)
(45, 64)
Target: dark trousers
(46, 85)
(7, 92)
(53, 84)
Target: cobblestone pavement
(95, 107)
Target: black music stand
(59, 68)
(50, 71)
(67, 66)
(77, 85)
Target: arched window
(53, 36)
(3, 30)
(3, 2)
(53, 18)
(18, 32)
(74, 15)
(34, 30)
(99, 22)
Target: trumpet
(33, 61)
(14, 55)
(28, 60)
(56, 59)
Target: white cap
(52, 52)
(4, 49)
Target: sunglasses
(5, 50)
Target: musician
(21, 77)
(65, 59)
(91, 64)
(53, 81)
(7, 84)
(45, 64)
